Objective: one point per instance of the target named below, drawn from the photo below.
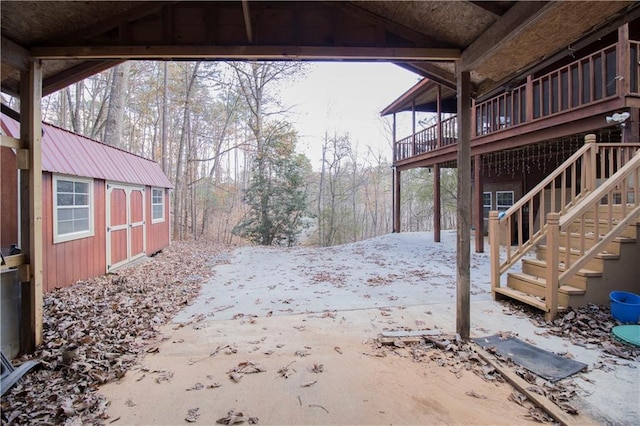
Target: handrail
(567, 186)
(533, 197)
(626, 183)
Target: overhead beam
(432, 71)
(517, 19)
(75, 74)
(14, 55)
(246, 52)
(246, 12)
(492, 7)
(389, 25)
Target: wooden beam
(463, 218)
(245, 52)
(14, 55)
(246, 12)
(493, 7)
(13, 261)
(523, 386)
(9, 142)
(396, 200)
(398, 29)
(75, 74)
(478, 189)
(518, 18)
(433, 72)
(31, 204)
(437, 204)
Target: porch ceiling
(494, 39)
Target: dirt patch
(317, 370)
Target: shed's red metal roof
(69, 153)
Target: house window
(157, 205)
(72, 208)
(486, 204)
(504, 200)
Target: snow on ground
(407, 273)
(389, 271)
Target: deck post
(31, 205)
(553, 260)
(623, 84)
(463, 214)
(413, 127)
(396, 200)
(478, 189)
(437, 205)
(494, 247)
(395, 141)
(439, 116)
(590, 163)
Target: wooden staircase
(584, 240)
(529, 286)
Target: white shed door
(126, 228)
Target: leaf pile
(94, 331)
(589, 327)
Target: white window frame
(61, 238)
(490, 205)
(504, 207)
(161, 219)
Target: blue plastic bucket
(625, 307)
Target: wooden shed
(102, 207)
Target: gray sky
(345, 97)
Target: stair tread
(591, 236)
(600, 255)
(583, 271)
(541, 281)
(523, 297)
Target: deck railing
(428, 139)
(586, 81)
(517, 232)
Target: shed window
(157, 205)
(72, 208)
(504, 200)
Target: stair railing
(558, 193)
(622, 190)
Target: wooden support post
(31, 204)
(494, 247)
(396, 200)
(631, 128)
(395, 140)
(413, 128)
(623, 54)
(478, 188)
(463, 249)
(439, 116)
(529, 99)
(590, 163)
(437, 203)
(553, 261)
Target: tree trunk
(115, 112)
(178, 231)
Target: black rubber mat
(545, 364)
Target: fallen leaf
(192, 415)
